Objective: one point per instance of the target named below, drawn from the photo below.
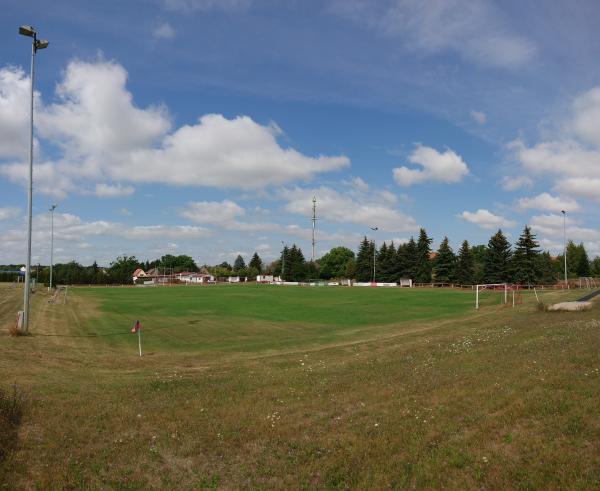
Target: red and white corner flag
(138, 328)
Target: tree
(583, 263)
(595, 267)
(407, 259)
(497, 259)
(423, 266)
(524, 259)
(546, 269)
(364, 260)
(256, 263)
(177, 263)
(295, 265)
(239, 263)
(334, 263)
(444, 263)
(387, 267)
(479, 253)
(121, 269)
(464, 272)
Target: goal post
(491, 286)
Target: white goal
(499, 287)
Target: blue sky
(205, 127)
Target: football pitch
(254, 318)
(267, 387)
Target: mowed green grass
(250, 318)
(497, 399)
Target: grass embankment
(498, 399)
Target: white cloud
(112, 191)
(586, 118)
(580, 186)
(368, 210)
(207, 5)
(213, 212)
(479, 117)
(513, 183)
(103, 137)
(547, 202)
(163, 31)
(572, 158)
(7, 213)
(550, 229)
(474, 30)
(15, 96)
(447, 167)
(226, 153)
(486, 219)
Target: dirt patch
(570, 306)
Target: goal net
(500, 289)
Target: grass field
(259, 387)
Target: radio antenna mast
(314, 221)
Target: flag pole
(140, 340)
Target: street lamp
(35, 45)
(282, 262)
(374, 252)
(565, 244)
(52, 208)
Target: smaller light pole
(565, 244)
(374, 252)
(282, 261)
(52, 208)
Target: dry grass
(506, 399)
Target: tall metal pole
(314, 220)
(282, 262)
(25, 326)
(52, 208)
(374, 252)
(565, 244)
(35, 45)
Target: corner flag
(137, 327)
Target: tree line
(496, 262)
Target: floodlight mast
(36, 44)
(565, 245)
(283, 262)
(52, 208)
(374, 251)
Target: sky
(206, 127)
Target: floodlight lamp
(41, 44)
(27, 31)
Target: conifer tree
(583, 263)
(423, 257)
(256, 263)
(239, 263)
(390, 266)
(402, 263)
(412, 257)
(364, 260)
(546, 269)
(497, 259)
(464, 272)
(295, 264)
(524, 260)
(444, 263)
